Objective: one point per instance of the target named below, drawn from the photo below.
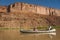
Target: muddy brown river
(17, 35)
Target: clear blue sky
(47, 3)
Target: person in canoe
(50, 28)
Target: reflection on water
(16, 35)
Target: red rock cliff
(24, 7)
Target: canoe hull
(30, 31)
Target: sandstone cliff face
(23, 20)
(27, 21)
(28, 16)
(24, 7)
(3, 9)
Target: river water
(17, 35)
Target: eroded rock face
(28, 16)
(24, 7)
(26, 20)
(3, 9)
(23, 20)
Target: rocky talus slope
(27, 20)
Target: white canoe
(40, 31)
